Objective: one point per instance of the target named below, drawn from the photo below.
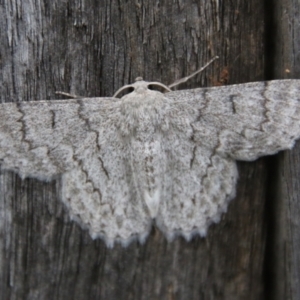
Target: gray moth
(147, 158)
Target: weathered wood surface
(92, 49)
(283, 247)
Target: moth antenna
(123, 88)
(67, 95)
(185, 79)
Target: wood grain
(283, 243)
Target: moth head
(140, 87)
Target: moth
(149, 157)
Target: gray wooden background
(92, 48)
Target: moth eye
(155, 87)
(128, 91)
(125, 92)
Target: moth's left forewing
(78, 139)
(38, 138)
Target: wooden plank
(92, 50)
(283, 265)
